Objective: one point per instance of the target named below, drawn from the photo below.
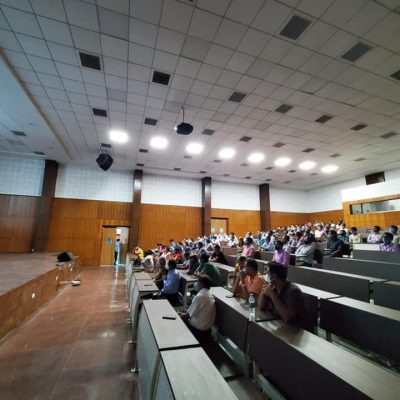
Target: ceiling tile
(49, 8)
(240, 62)
(218, 7)
(55, 31)
(140, 54)
(121, 6)
(170, 41)
(113, 24)
(147, 10)
(187, 67)
(43, 65)
(243, 11)
(138, 72)
(342, 10)
(316, 9)
(63, 53)
(195, 48)
(230, 34)
(275, 50)
(317, 35)
(143, 32)
(85, 39)
(204, 25)
(81, 14)
(34, 46)
(69, 71)
(115, 67)
(113, 47)
(176, 16)
(271, 17)
(208, 73)
(22, 22)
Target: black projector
(184, 128)
(104, 161)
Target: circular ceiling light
(227, 152)
(159, 142)
(282, 162)
(306, 165)
(194, 148)
(329, 169)
(118, 136)
(255, 157)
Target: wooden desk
(156, 334)
(227, 272)
(384, 256)
(186, 285)
(190, 374)
(306, 367)
(232, 316)
(373, 327)
(366, 246)
(312, 299)
(349, 285)
(377, 269)
(387, 294)
(141, 288)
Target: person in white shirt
(305, 252)
(233, 240)
(354, 237)
(200, 316)
(375, 236)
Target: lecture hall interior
(199, 199)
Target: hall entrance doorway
(111, 252)
(219, 225)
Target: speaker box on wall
(104, 161)
(375, 178)
(65, 256)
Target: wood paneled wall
(383, 219)
(280, 218)
(160, 223)
(326, 216)
(76, 225)
(17, 219)
(240, 221)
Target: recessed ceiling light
(329, 169)
(306, 165)
(256, 157)
(282, 162)
(295, 27)
(226, 152)
(356, 52)
(194, 148)
(118, 136)
(323, 118)
(159, 142)
(90, 61)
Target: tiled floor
(76, 347)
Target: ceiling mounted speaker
(104, 161)
(184, 128)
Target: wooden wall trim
(40, 234)
(206, 206)
(134, 233)
(265, 207)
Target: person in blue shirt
(170, 287)
(116, 250)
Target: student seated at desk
(334, 246)
(354, 237)
(193, 264)
(170, 284)
(283, 298)
(138, 255)
(249, 281)
(248, 248)
(218, 256)
(281, 256)
(200, 316)
(239, 266)
(209, 269)
(394, 231)
(388, 244)
(239, 246)
(148, 263)
(305, 252)
(375, 236)
(185, 260)
(233, 240)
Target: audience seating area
(354, 304)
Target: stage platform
(27, 281)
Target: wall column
(265, 207)
(206, 206)
(134, 233)
(40, 234)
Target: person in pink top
(248, 248)
(281, 256)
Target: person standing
(117, 247)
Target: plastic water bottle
(252, 307)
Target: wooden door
(107, 246)
(219, 225)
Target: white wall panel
(169, 190)
(235, 196)
(21, 176)
(387, 188)
(288, 200)
(76, 182)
